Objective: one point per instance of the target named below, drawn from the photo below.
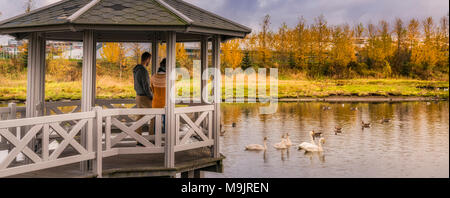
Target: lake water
(414, 144)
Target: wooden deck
(141, 165)
(108, 138)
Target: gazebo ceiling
(140, 19)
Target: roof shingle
(128, 12)
(124, 12)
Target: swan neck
(320, 146)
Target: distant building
(11, 49)
(73, 51)
(12, 42)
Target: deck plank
(142, 165)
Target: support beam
(12, 116)
(170, 101)
(35, 80)
(41, 92)
(88, 81)
(89, 71)
(204, 66)
(217, 95)
(155, 55)
(193, 174)
(36, 75)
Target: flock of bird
(286, 143)
(311, 146)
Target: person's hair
(145, 56)
(163, 63)
(162, 66)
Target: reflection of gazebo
(92, 21)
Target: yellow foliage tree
(115, 53)
(427, 54)
(342, 51)
(182, 57)
(231, 54)
(137, 50)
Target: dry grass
(114, 88)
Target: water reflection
(315, 155)
(414, 143)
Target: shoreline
(330, 99)
(365, 99)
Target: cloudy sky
(251, 12)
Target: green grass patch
(110, 88)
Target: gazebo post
(88, 80)
(169, 150)
(35, 80)
(217, 94)
(155, 55)
(36, 75)
(204, 66)
(41, 93)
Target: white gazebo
(92, 21)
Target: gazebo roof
(122, 15)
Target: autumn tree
(263, 39)
(182, 59)
(231, 54)
(115, 54)
(320, 38)
(282, 44)
(137, 51)
(300, 40)
(342, 51)
(359, 39)
(246, 61)
(442, 41)
(426, 56)
(400, 58)
(386, 43)
(375, 57)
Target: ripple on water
(414, 144)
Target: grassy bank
(363, 88)
(111, 88)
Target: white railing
(9, 113)
(118, 144)
(42, 127)
(75, 105)
(65, 107)
(12, 112)
(193, 134)
(101, 133)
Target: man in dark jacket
(144, 95)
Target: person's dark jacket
(142, 82)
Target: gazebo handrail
(100, 140)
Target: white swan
(257, 147)
(307, 144)
(315, 148)
(282, 144)
(288, 141)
